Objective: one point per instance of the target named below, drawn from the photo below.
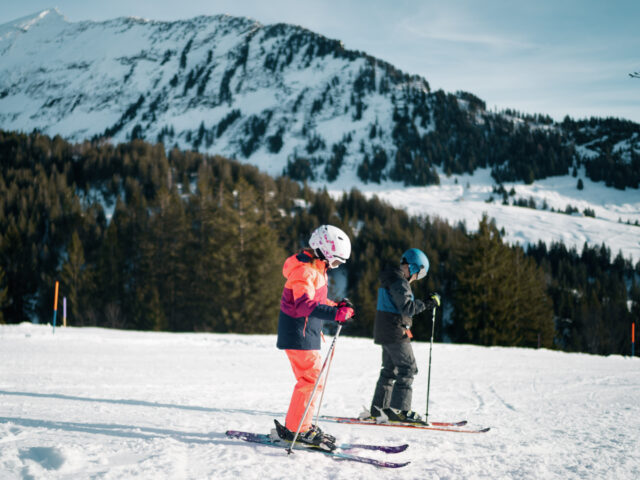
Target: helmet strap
(407, 270)
(319, 254)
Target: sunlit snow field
(107, 404)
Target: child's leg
(406, 369)
(384, 386)
(306, 365)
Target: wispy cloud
(455, 34)
(454, 25)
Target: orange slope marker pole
(55, 306)
(633, 339)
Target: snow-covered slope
(93, 403)
(466, 198)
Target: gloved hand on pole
(343, 314)
(432, 302)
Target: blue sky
(556, 57)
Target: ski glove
(345, 302)
(343, 314)
(432, 302)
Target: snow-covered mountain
(287, 99)
(220, 84)
(278, 96)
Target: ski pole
(435, 297)
(326, 378)
(315, 387)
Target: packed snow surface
(97, 403)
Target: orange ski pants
(306, 365)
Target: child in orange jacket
(303, 309)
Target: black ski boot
(378, 415)
(405, 416)
(314, 437)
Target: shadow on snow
(139, 403)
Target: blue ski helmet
(418, 262)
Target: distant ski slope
(466, 201)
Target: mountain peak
(49, 16)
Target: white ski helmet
(331, 244)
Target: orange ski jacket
(304, 304)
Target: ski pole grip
(436, 298)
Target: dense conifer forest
(180, 241)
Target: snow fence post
(55, 306)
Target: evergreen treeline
(617, 167)
(459, 143)
(595, 298)
(142, 239)
(464, 136)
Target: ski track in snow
(107, 404)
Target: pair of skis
(438, 426)
(343, 451)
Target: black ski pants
(396, 377)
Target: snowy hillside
(465, 198)
(92, 403)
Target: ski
(417, 426)
(344, 446)
(378, 448)
(339, 454)
(331, 418)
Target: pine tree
(163, 259)
(249, 261)
(132, 222)
(75, 280)
(366, 267)
(591, 329)
(499, 297)
(533, 308)
(148, 313)
(198, 254)
(480, 303)
(110, 273)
